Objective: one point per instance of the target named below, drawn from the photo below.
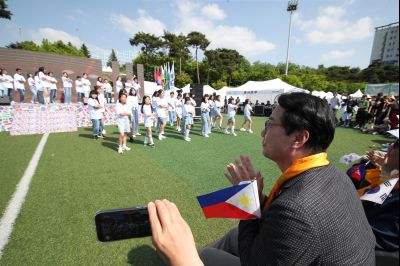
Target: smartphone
(119, 224)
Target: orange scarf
(298, 166)
(377, 182)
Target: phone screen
(119, 224)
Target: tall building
(386, 44)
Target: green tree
(182, 79)
(111, 58)
(178, 48)
(151, 51)
(218, 84)
(225, 60)
(85, 50)
(293, 80)
(198, 41)
(4, 13)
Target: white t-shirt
(7, 81)
(147, 111)
(100, 84)
(107, 87)
(218, 105)
(193, 101)
(31, 82)
(102, 101)
(94, 112)
(86, 85)
(171, 104)
(45, 82)
(79, 86)
(133, 102)
(122, 108)
(42, 80)
(188, 110)
(178, 106)
(128, 86)
(67, 82)
(247, 110)
(53, 83)
(231, 109)
(17, 83)
(205, 107)
(136, 86)
(118, 86)
(38, 84)
(162, 105)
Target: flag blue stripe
(220, 195)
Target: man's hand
(172, 235)
(376, 159)
(244, 171)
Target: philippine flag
(236, 202)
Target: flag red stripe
(226, 210)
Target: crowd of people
(43, 86)
(157, 110)
(373, 115)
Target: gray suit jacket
(317, 219)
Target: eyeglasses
(270, 123)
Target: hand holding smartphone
(119, 224)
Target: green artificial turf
(15, 154)
(78, 176)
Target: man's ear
(300, 138)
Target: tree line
(226, 67)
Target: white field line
(18, 198)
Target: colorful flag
(379, 193)
(236, 202)
(173, 75)
(357, 172)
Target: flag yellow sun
(245, 201)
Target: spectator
(136, 86)
(384, 218)
(107, 90)
(41, 85)
(67, 84)
(362, 112)
(19, 84)
(394, 113)
(32, 87)
(7, 84)
(302, 221)
(79, 89)
(53, 87)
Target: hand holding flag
(244, 171)
(237, 202)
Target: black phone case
(119, 224)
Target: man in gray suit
(312, 216)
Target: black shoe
(131, 139)
(96, 137)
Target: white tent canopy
(358, 94)
(262, 91)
